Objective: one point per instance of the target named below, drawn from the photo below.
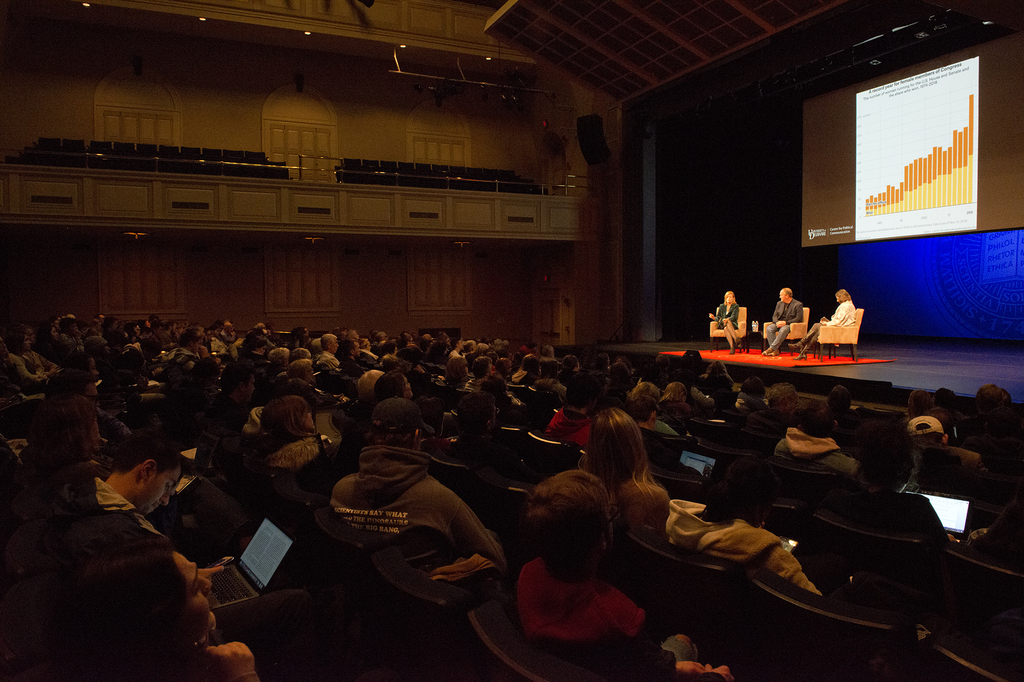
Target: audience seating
(540, 406)
(547, 455)
(908, 558)
(762, 441)
(831, 639)
(806, 481)
(790, 518)
(997, 488)
(724, 456)
(677, 589)
(978, 587)
(680, 486)
(716, 430)
(954, 657)
(507, 644)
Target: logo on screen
(978, 283)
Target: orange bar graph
(943, 178)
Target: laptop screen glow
(952, 511)
(701, 463)
(264, 554)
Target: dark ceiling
(627, 48)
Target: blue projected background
(967, 286)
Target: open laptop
(247, 578)
(953, 512)
(201, 456)
(702, 463)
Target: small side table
(755, 339)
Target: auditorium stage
(961, 365)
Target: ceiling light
(313, 240)
(202, 18)
(135, 234)
(85, 4)
(874, 62)
(402, 46)
(487, 59)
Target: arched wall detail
(299, 127)
(131, 108)
(437, 135)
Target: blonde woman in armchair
(727, 317)
(845, 316)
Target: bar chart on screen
(917, 163)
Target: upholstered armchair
(798, 330)
(741, 329)
(833, 336)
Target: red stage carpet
(783, 360)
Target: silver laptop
(248, 578)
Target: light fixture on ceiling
(513, 90)
(308, 33)
(402, 46)
(85, 4)
(461, 245)
(137, 235)
(202, 18)
(875, 62)
(313, 240)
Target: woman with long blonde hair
(615, 454)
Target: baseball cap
(398, 415)
(919, 426)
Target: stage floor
(961, 365)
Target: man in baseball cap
(938, 467)
(393, 495)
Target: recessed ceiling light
(308, 33)
(85, 4)
(202, 18)
(487, 58)
(402, 46)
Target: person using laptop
(886, 464)
(393, 494)
(140, 612)
(95, 515)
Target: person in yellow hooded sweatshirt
(730, 525)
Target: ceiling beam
(590, 42)
(667, 30)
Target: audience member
(572, 422)
(937, 468)
(230, 409)
(141, 612)
(456, 372)
(811, 441)
(731, 525)
(919, 403)
(392, 492)
(839, 402)
(290, 441)
(988, 398)
(1002, 437)
(328, 347)
(564, 607)
(644, 411)
(549, 379)
(781, 413)
(970, 458)
(481, 368)
(673, 401)
(751, 397)
(886, 463)
(476, 418)
(1004, 539)
(615, 454)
